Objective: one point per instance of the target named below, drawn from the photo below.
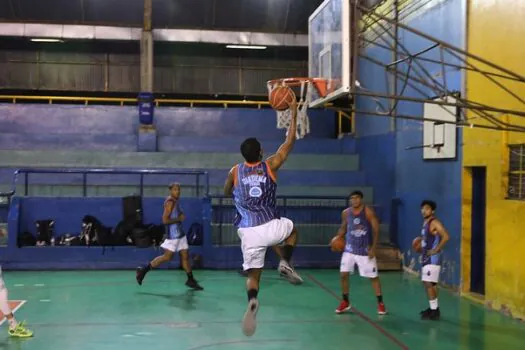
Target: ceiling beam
(87, 32)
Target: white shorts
(367, 267)
(255, 240)
(430, 273)
(175, 245)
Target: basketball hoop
(303, 88)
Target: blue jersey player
(360, 227)
(434, 236)
(176, 241)
(253, 185)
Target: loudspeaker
(132, 210)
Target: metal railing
(131, 101)
(316, 218)
(86, 172)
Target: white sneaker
(249, 322)
(288, 272)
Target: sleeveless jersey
(429, 242)
(358, 236)
(254, 194)
(175, 231)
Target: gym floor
(87, 310)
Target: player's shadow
(183, 301)
(13, 343)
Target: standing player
(434, 237)
(356, 224)
(172, 217)
(253, 186)
(15, 329)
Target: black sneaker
(193, 285)
(425, 312)
(433, 315)
(141, 273)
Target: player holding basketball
(172, 217)
(434, 237)
(15, 329)
(253, 186)
(361, 227)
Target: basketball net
(303, 88)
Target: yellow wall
(496, 31)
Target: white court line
(22, 302)
(45, 300)
(19, 285)
(144, 333)
(39, 285)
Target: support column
(147, 135)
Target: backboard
(330, 48)
(439, 139)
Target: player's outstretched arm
(277, 160)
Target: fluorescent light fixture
(46, 40)
(246, 47)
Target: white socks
(433, 304)
(4, 306)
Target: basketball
(416, 244)
(337, 244)
(281, 97)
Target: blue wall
(375, 142)
(412, 178)
(114, 128)
(68, 213)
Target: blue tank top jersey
(254, 190)
(175, 231)
(429, 242)
(358, 237)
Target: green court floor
(96, 310)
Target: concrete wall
(100, 125)
(68, 213)
(496, 33)
(401, 173)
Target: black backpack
(26, 239)
(44, 231)
(94, 233)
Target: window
(516, 172)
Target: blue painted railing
(85, 172)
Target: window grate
(516, 189)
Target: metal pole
(460, 124)
(146, 50)
(445, 44)
(442, 103)
(395, 58)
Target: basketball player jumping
(434, 237)
(276, 249)
(15, 329)
(356, 224)
(253, 186)
(172, 217)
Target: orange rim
(320, 84)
